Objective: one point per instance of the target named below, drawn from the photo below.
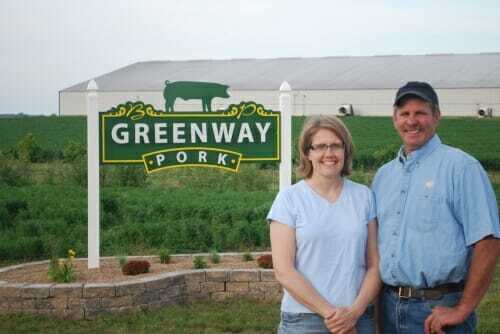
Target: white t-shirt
(330, 239)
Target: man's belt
(427, 293)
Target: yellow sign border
(192, 165)
(231, 111)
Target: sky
(47, 46)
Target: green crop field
(479, 137)
(43, 205)
(39, 199)
(51, 132)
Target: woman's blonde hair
(311, 126)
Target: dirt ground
(110, 272)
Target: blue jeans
(311, 323)
(407, 316)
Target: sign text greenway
(137, 133)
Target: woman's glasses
(322, 148)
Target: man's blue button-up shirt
(432, 206)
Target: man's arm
(481, 272)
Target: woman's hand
(342, 321)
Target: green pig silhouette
(193, 90)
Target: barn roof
(480, 70)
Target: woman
(324, 238)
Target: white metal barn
(466, 83)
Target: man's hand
(442, 317)
(342, 321)
(481, 272)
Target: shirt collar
(421, 153)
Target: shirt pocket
(427, 212)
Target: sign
(135, 132)
(193, 90)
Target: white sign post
(286, 135)
(285, 171)
(93, 222)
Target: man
(438, 225)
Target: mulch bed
(110, 271)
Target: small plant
(73, 151)
(165, 256)
(122, 261)
(384, 154)
(13, 172)
(199, 262)
(265, 261)
(247, 256)
(136, 267)
(62, 271)
(28, 149)
(214, 256)
(129, 176)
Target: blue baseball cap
(419, 89)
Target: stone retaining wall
(85, 301)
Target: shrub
(4, 218)
(384, 154)
(14, 207)
(110, 206)
(10, 153)
(165, 256)
(62, 271)
(74, 151)
(247, 256)
(122, 261)
(54, 174)
(128, 176)
(15, 247)
(214, 256)
(14, 173)
(28, 149)
(110, 211)
(136, 267)
(199, 262)
(76, 172)
(30, 228)
(265, 261)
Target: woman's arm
(283, 250)
(371, 284)
(345, 318)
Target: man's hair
(311, 127)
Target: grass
(489, 310)
(230, 316)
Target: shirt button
(399, 212)
(394, 233)
(392, 255)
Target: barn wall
(454, 102)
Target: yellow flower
(71, 253)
